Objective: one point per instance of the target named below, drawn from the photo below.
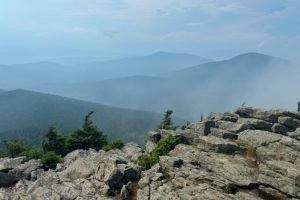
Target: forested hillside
(25, 115)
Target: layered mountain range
(190, 91)
(187, 84)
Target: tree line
(56, 145)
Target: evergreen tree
(167, 122)
(55, 141)
(87, 137)
(15, 148)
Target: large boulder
(221, 133)
(219, 145)
(232, 127)
(257, 138)
(289, 122)
(250, 112)
(7, 179)
(110, 174)
(256, 123)
(283, 176)
(29, 170)
(132, 151)
(202, 128)
(10, 163)
(276, 151)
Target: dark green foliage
(167, 122)
(54, 141)
(15, 148)
(4, 154)
(87, 137)
(117, 144)
(50, 160)
(33, 153)
(163, 147)
(145, 161)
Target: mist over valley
(190, 90)
(128, 94)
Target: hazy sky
(217, 29)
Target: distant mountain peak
(256, 56)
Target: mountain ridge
(197, 86)
(28, 75)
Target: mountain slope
(249, 63)
(149, 65)
(26, 114)
(213, 86)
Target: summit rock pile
(247, 154)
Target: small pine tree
(167, 122)
(54, 141)
(87, 137)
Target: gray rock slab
(233, 127)
(6, 163)
(257, 138)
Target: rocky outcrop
(7, 164)
(84, 174)
(248, 154)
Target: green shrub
(117, 144)
(15, 148)
(145, 161)
(163, 147)
(50, 160)
(33, 153)
(3, 154)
